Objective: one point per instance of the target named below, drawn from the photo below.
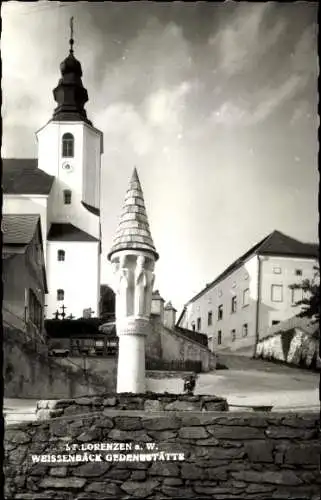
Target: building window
(210, 318)
(277, 270)
(67, 197)
(193, 326)
(219, 337)
(233, 335)
(245, 330)
(61, 255)
(246, 297)
(60, 294)
(220, 312)
(35, 310)
(296, 295)
(277, 293)
(198, 324)
(234, 304)
(68, 145)
(298, 272)
(275, 322)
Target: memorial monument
(133, 256)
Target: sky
(214, 103)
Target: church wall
(49, 139)
(91, 171)
(77, 275)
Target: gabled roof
(19, 229)
(133, 231)
(277, 244)
(22, 176)
(68, 232)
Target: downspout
(258, 302)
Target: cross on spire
(71, 41)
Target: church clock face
(67, 167)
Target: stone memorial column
(133, 257)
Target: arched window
(60, 294)
(67, 197)
(61, 255)
(68, 143)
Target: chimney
(158, 306)
(169, 316)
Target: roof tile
(68, 232)
(22, 176)
(133, 231)
(19, 229)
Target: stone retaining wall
(208, 455)
(293, 347)
(143, 402)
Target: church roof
(68, 232)
(277, 244)
(133, 231)
(19, 229)
(22, 176)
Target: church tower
(70, 149)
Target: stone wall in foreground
(127, 401)
(208, 455)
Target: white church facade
(63, 186)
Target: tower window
(60, 294)
(198, 324)
(220, 312)
(219, 337)
(68, 143)
(61, 255)
(209, 318)
(234, 304)
(245, 330)
(67, 197)
(233, 335)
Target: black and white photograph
(160, 250)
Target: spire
(133, 231)
(70, 94)
(71, 40)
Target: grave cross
(63, 314)
(56, 314)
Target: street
(247, 382)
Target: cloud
(269, 100)
(242, 42)
(164, 107)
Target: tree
(311, 300)
(107, 303)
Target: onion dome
(70, 94)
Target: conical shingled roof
(133, 231)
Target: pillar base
(131, 357)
